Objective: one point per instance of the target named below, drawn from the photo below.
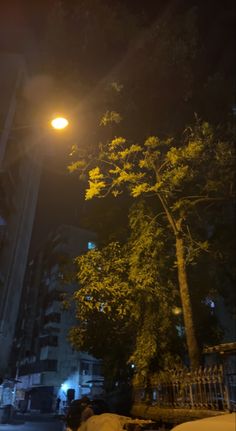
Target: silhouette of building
(19, 183)
(48, 367)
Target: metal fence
(204, 388)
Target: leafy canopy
(188, 171)
(125, 293)
(187, 176)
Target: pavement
(32, 422)
(32, 426)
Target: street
(46, 423)
(33, 426)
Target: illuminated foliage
(186, 175)
(125, 295)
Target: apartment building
(49, 368)
(19, 183)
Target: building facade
(50, 372)
(19, 183)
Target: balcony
(48, 352)
(52, 318)
(38, 367)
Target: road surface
(33, 424)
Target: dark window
(49, 340)
(50, 330)
(97, 369)
(52, 317)
(54, 295)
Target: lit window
(2, 221)
(154, 395)
(209, 302)
(180, 330)
(91, 245)
(85, 368)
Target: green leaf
(110, 117)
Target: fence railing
(204, 388)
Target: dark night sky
(60, 199)
(22, 21)
(21, 26)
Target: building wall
(19, 183)
(46, 358)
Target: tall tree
(171, 63)
(185, 175)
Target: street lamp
(59, 123)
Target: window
(52, 317)
(91, 245)
(49, 340)
(97, 369)
(180, 330)
(50, 330)
(209, 302)
(84, 368)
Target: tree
(126, 294)
(103, 307)
(151, 263)
(169, 66)
(186, 176)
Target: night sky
(22, 21)
(61, 199)
(22, 25)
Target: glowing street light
(59, 123)
(176, 311)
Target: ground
(31, 423)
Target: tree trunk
(192, 344)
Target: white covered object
(224, 422)
(104, 422)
